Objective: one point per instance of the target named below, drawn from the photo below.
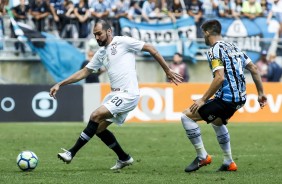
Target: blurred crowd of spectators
(73, 18)
(269, 69)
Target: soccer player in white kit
(117, 55)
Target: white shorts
(120, 104)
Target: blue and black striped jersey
(227, 56)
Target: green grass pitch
(161, 152)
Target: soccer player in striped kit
(228, 87)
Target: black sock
(109, 139)
(84, 137)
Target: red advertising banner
(164, 102)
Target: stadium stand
(161, 12)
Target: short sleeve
(258, 7)
(52, 2)
(232, 5)
(245, 6)
(132, 43)
(95, 63)
(247, 60)
(215, 59)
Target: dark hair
(105, 24)
(212, 26)
(133, 3)
(177, 53)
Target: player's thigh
(217, 111)
(120, 104)
(194, 116)
(100, 114)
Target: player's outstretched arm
(81, 74)
(262, 99)
(171, 75)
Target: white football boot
(66, 156)
(121, 164)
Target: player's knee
(188, 113)
(183, 117)
(96, 117)
(186, 121)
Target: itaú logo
(162, 109)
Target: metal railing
(9, 51)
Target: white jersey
(119, 60)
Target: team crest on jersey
(102, 52)
(114, 48)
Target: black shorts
(217, 108)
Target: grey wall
(33, 72)
(24, 72)
(150, 71)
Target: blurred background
(44, 41)
(171, 25)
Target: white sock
(223, 139)
(194, 134)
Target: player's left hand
(262, 99)
(197, 104)
(174, 77)
(53, 91)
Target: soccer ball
(27, 160)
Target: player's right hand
(196, 105)
(53, 90)
(174, 77)
(262, 99)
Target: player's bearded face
(103, 39)
(206, 36)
